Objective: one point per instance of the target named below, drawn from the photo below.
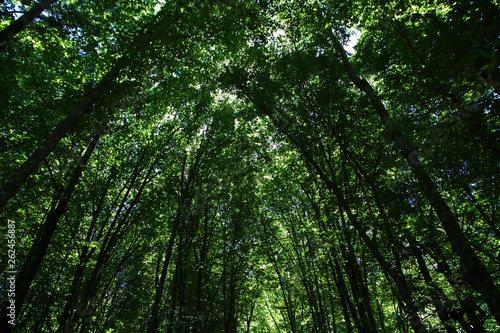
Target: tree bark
(400, 280)
(145, 37)
(286, 296)
(19, 178)
(39, 248)
(476, 273)
(345, 300)
(22, 22)
(116, 231)
(84, 258)
(184, 202)
(435, 292)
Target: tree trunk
(360, 294)
(116, 231)
(22, 22)
(289, 307)
(84, 258)
(184, 202)
(435, 292)
(400, 281)
(202, 264)
(39, 248)
(345, 300)
(476, 273)
(19, 178)
(142, 41)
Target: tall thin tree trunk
(476, 273)
(286, 298)
(435, 291)
(202, 264)
(19, 178)
(345, 300)
(116, 231)
(142, 41)
(22, 22)
(184, 202)
(39, 248)
(352, 270)
(468, 306)
(84, 258)
(172, 323)
(401, 283)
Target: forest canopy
(249, 166)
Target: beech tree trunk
(400, 281)
(22, 22)
(142, 41)
(19, 178)
(476, 273)
(39, 248)
(184, 202)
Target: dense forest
(250, 166)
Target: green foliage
(240, 176)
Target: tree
(229, 166)
(22, 22)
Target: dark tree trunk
(22, 22)
(476, 273)
(345, 299)
(468, 306)
(202, 264)
(39, 248)
(84, 258)
(436, 292)
(356, 281)
(144, 38)
(160, 286)
(249, 318)
(116, 231)
(403, 288)
(400, 281)
(182, 213)
(19, 178)
(289, 310)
